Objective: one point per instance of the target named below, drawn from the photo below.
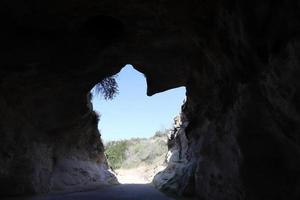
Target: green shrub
(115, 152)
(137, 151)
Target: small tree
(108, 87)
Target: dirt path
(131, 176)
(117, 192)
(139, 175)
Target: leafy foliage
(137, 151)
(108, 87)
(115, 152)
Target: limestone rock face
(37, 162)
(239, 61)
(177, 177)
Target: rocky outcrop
(177, 177)
(34, 161)
(242, 109)
(239, 61)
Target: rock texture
(177, 176)
(239, 61)
(36, 159)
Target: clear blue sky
(132, 113)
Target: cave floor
(123, 191)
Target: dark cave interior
(239, 61)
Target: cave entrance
(134, 126)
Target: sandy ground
(140, 175)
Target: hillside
(137, 160)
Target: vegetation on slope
(115, 152)
(135, 152)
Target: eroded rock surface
(176, 177)
(239, 61)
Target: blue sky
(132, 113)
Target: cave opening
(134, 127)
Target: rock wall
(38, 160)
(177, 176)
(247, 148)
(242, 108)
(239, 61)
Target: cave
(135, 128)
(239, 62)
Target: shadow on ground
(116, 192)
